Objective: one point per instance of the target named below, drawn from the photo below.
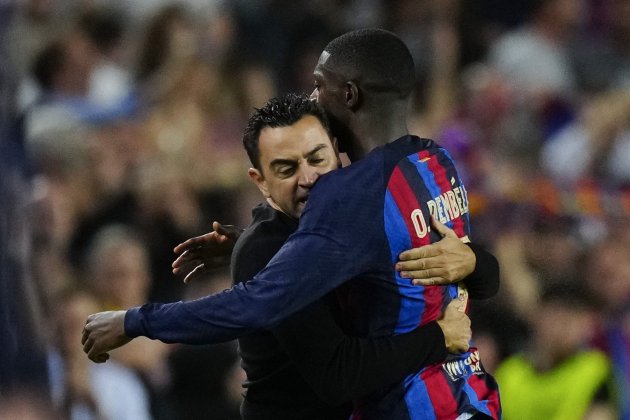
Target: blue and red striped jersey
(421, 183)
(356, 222)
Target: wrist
(476, 249)
(132, 323)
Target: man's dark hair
(378, 60)
(48, 64)
(281, 111)
(105, 27)
(569, 294)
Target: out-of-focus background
(120, 136)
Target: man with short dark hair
(357, 222)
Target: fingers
(222, 230)
(101, 358)
(442, 229)
(419, 264)
(89, 343)
(87, 346)
(196, 271)
(96, 356)
(457, 305)
(86, 329)
(188, 258)
(431, 281)
(418, 253)
(439, 275)
(193, 243)
(462, 298)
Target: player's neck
(371, 131)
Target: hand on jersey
(104, 331)
(455, 325)
(444, 262)
(206, 252)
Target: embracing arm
(335, 228)
(483, 282)
(340, 368)
(307, 267)
(451, 260)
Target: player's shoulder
(411, 144)
(362, 174)
(269, 230)
(413, 148)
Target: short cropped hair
(281, 111)
(568, 294)
(48, 64)
(377, 59)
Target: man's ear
(335, 145)
(351, 94)
(257, 178)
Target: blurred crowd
(120, 136)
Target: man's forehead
(327, 69)
(297, 139)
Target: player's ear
(257, 178)
(351, 94)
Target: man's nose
(308, 176)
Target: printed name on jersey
(445, 207)
(458, 369)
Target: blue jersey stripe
(412, 304)
(429, 179)
(413, 171)
(474, 400)
(395, 228)
(417, 398)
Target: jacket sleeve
(311, 263)
(483, 282)
(340, 368)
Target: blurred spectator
(609, 278)
(35, 24)
(110, 81)
(555, 377)
(430, 30)
(118, 268)
(535, 56)
(602, 53)
(595, 146)
(22, 321)
(85, 390)
(23, 381)
(27, 405)
(118, 272)
(206, 379)
(545, 254)
(55, 123)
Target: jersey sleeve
(334, 243)
(483, 282)
(340, 368)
